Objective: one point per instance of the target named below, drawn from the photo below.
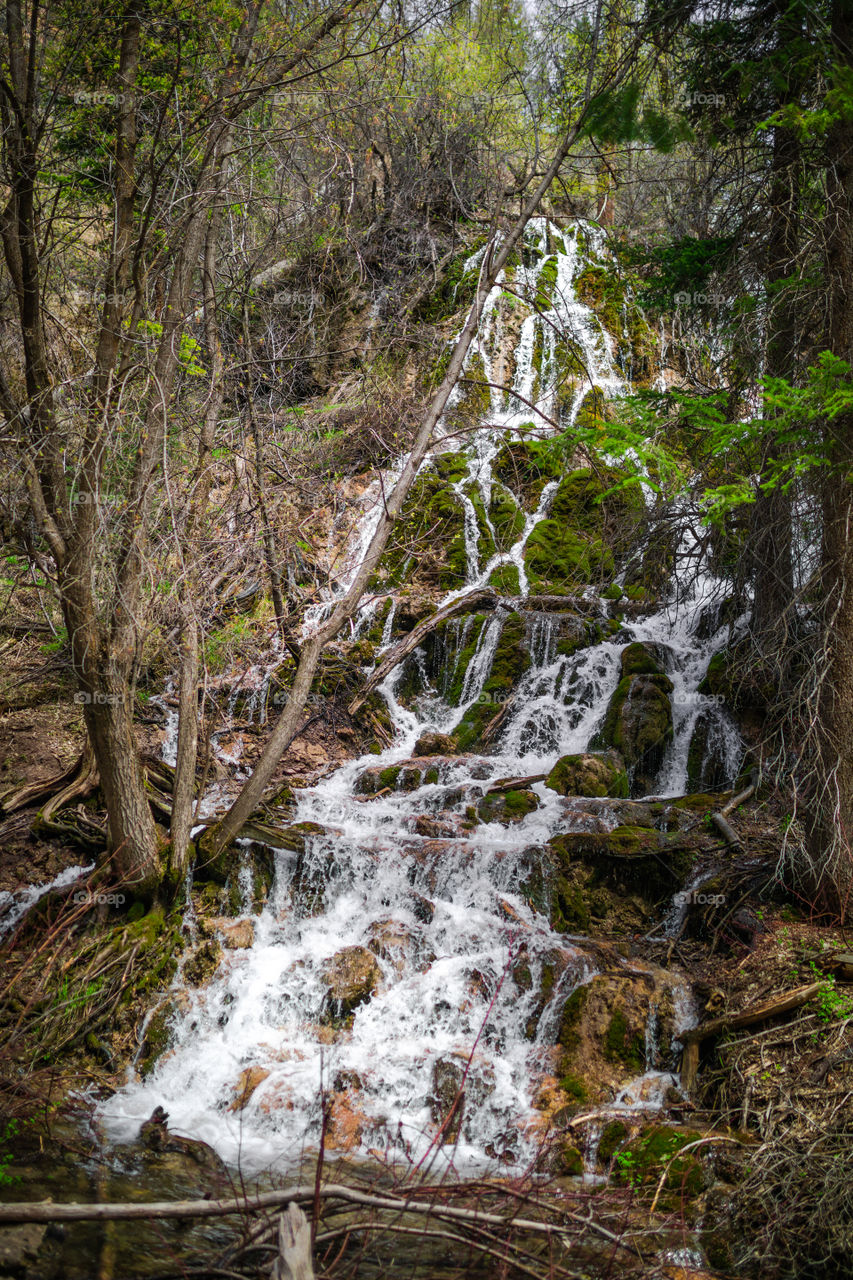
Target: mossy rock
(505, 579)
(706, 760)
(570, 1161)
(525, 467)
(427, 545)
(568, 1030)
(638, 723)
(588, 774)
(624, 1045)
(650, 576)
(558, 561)
(202, 963)
(574, 1087)
(506, 516)
(637, 659)
(613, 1135)
(475, 396)
(643, 1160)
(511, 660)
(507, 807)
(158, 1036)
(602, 290)
(628, 859)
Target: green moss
(568, 1034)
(604, 292)
(716, 678)
(559, 561)
(638, 660)
(612, 1137)
(526, 466)
(570, 1163)
(509, 806)
(506, 516)
(505, 580)
(545, 284)
(388, 777)
(569, 911)
(453, 689)
(588, 774)
(485, 542)
(430, 531)
(475, 399)
(644, 1159)
(574, 1086)
(431, 776)
(621, 1046)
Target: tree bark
(771, 530)
(829, 873)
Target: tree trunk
(184, 792)
(829, 873)
(771, 530)
(133, 836)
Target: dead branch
(484, 599)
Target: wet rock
(706, 756)
(506, 807)
(156, 1136)
(19, 1246)
(455, 1095)
(237, 935)
(631, 859)
(158, 1032)
(351, 978)
(422, 909)
(510, 662)
(201, 963)
(601, 1035)
(435, 744)
(442, 825)
(541, 975)
(391, 940)
(589, 774)
(638, 722)
(247, 1083)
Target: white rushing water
(444, 909)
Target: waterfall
(440, 910)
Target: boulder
(506, 807)
(247, 1083)
(237, 935)
(590, 773)
(435, 744)
(391, 940)
(351, 977)
(456, 1095)
(638, 722)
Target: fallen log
(734, 1021)
(50, 1211)
(515, 784)
(484, 598)
(726, 830)
(756, 1013)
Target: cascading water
(436, 911)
